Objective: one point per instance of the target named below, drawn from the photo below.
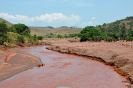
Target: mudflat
(117, 54)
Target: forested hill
(118, 30)
(116, 26)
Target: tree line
(21, 29)
(109, 32)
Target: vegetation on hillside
(118, 30)
(20, 33)
(21, 29)
(3, 33)
(17, 34)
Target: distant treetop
(50, 27)
(129, 18)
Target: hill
(106, 27)
(5, 21)
(41, 31)
(55, 31)
(116, 26)
(37, 31)
(64, 30)
(43, 28)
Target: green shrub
(40, 38)
(59, 36)
(50, 36)
(34, 38)
(85, 37)
(3, 33)
(88, 33)
(21, 39)
(66, 36)
(22, 29)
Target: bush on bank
(21, 39)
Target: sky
(57, 13)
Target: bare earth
(117, 54)
(12, 63)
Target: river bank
(117, 54)
(12, 62)
(64, 70)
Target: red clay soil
(2, 58)
(6, 65)
(13, 63)
(117, 54)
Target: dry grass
(14, 36)
(64, 31)
(55, 31)
(8, 23)
(37, 31)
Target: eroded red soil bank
(62, 70)
(117, 54)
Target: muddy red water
(62, 70)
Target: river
(64, 71)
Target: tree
(66, 36)
(22, 29)
(88, 33)
(51, 34)
(21, 39)
(3, 33)
(40, 38)
(123, 31)
(59, 36)
(104, 24)
(131, 32)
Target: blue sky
(58, 13)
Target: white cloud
(57, 17)
(18, 18)
(93, 18)
(91, 22)
(50, 18)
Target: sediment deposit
(12, 63)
